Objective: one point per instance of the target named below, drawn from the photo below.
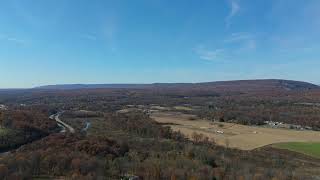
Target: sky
(146, 41)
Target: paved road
(61, 123)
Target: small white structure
(220, 132)
(3, 107)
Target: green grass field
(311, 149)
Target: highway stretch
(65, 127)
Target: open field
(311, 149)
(183, 108)
(233, 135)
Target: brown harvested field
(234, 135)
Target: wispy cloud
(88, 36)
(209, 55)
(250, 45)
(246, 41)
(110, 31)
(12, 39)
(236, 37)
(234, 9)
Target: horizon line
(199, 82)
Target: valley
(261, 129)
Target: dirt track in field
(234, 135)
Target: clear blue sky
(145, 41)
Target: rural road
(61, 123)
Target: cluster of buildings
(275, 124)
(3, 107)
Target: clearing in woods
(311, 149)
(233, 135)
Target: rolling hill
(239, 85)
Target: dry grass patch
(234, 135)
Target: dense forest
(245, 102)
(19, 127)
(132, 145)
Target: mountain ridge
(243, 84)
